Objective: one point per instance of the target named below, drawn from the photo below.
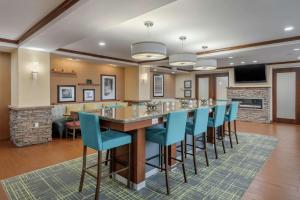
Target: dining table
(134, 120)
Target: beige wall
(169, 86)
(85, 70)
(26, 92)
(4, 94)
(179, 84)
(131, 83)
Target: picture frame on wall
(158, 85)
(66, 93)
(108, 87)
(88, 94)
(187, 84)
(187, 93)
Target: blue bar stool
(165, 137)
(93, 138)
(197, 129)
(217, 122)
(231, 117)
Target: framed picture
(158, 85)
(66, 93)
(108, 87)
(187, 93)
(187, 84)
(88, 94)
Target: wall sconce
(34, 73)
(144, 77)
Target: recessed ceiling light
(298, 57)
(254, 61)
(102, 44)
(231, 63)
(173, 72)
(230, 57)
(243, 62)
(297, 49)
(155, 70)
(289, 28)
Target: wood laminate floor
(278, 179)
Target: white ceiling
(215, 23)
(17, 16)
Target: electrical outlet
(36, 125)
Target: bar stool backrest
(176, 124)
(233, 110)
(219, 115)
(90, 130)
(200, 120)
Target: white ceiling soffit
(261, 55)
(214, 23)
(90, 19)
(17, 16)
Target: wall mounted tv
(250, 73)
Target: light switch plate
(154, 121)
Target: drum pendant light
(148, 50)
(182, 59)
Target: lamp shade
(183, 59)
(148, 51)
(206, 64)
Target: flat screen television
(250, 73)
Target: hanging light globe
(147, 50)
(182, 59)
(206, 64)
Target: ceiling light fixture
(242, 62)
(231, 63)
(230, 57)
(289, 28)
(182, 59)
(155, 70)
(173, 72)
(206, 64)
(298, 57)
(296, 49)
(102, 44)
(254, 61)
(148, 50)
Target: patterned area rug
(226, 178)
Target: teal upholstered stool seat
(94, 138)
(231, 116)
(165, 137)
(217, 123)
(197, 128)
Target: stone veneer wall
(250, 114)
(22, 125)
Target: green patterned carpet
(225, 178)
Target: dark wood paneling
(8, 41)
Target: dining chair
(165, 137)
(94, 138)
(216, 123)
(73, 125)
(197, 129)
(231, 116)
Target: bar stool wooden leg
(83, 168)
(167, 168)
(129, 167)
(183, 166)
(229, 133)
(205, 149)
(234, 123)
(107, 156)
(194, 154)
(98, 175)
(215, 143)
(222, 137)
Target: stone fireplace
(255, 103)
